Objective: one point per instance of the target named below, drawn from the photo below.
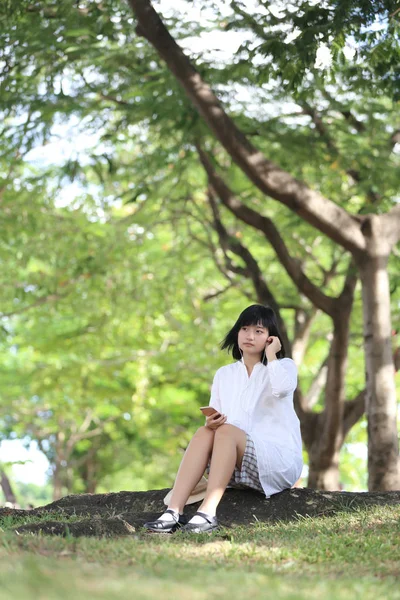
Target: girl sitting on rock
(254, 439)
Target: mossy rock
(123, 513)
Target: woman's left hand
(273, 344)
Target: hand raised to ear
(273, 344)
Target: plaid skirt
(247, 475)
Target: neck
(250, 360)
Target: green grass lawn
(352, 555)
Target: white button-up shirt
(262, 406)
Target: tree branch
(395, 138)
(320, 127)
(391, 225)
(347, 114)
(317, 385)
(213, 295)
(353, 411)
(209, 244)
(324, 214)
(353, 121)
(263, 292)
(39, 302)
(264, 224)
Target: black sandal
(210, 524)
(161, 526)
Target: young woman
(254, 440)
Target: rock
(123, 513)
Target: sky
(36, 464)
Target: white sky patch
(322, 3)
(195, 10)
(33, 471)
(349, 52)
(359, 449)
(68, 142)
(293, 35)
(277, 10)
(323, 59)
(221, 45)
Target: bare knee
(204, 432)
(230, 430)
(205, 437)
(237, 437)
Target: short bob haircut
(253, 315)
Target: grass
(10, 521)
(351, 555)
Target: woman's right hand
(214, 423)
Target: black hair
(256, 314)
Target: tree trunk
(323, 471)
(90, 476)
(7, 489)
(57, 481)
(381, 405)
(323, 465)
(325, 441)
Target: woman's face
(252, 339)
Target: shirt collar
(256, 365)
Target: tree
(298, 38)
(145, 169)
(6, 486)
(322, 433)
(369, 238)
(93, 346)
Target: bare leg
(192, 467)
(228, 449)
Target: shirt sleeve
(215, 400)
(283, 376)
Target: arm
(215, 401)
(283, 376)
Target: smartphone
(209, 410)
